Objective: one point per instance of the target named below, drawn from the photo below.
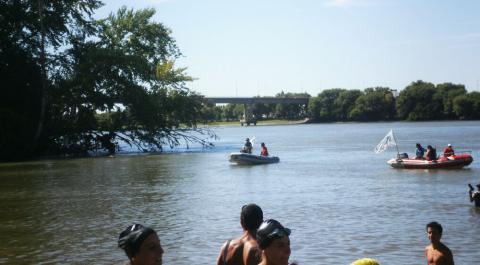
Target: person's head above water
(141, 244)
(365, 261)
(270, 230)
(251, 217)
(247, 139)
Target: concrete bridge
(248, 117)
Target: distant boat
(249, 159)
(451, 162)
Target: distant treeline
(420, 101)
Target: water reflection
(341, 201)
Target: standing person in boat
(264, 151)
(244, 249)
(141, 244)
(437, 253)
(419, 152)
(448, 151)
(247, 147)
(431, 153)
(273, 239)
(474, 195)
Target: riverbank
(260, 122)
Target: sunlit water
(341, 200)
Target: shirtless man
(437, 253)
(244, 249)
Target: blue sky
(261, 47)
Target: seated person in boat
(264, 151)
(474, 195)
(431, 153)
(448, 151)
(247, 147)
(419, 152)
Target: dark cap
(268, 231)
(132, 238)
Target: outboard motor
(402, 156)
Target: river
(340, 199)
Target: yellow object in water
(365, 261)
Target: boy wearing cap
(448, 151)
(141, 245)
(244, 249)
(273, 239)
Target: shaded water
(341, 200)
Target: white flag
(388, 140)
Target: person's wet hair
(436, 226)
(132, 238)
(251, 216)
(270, 230)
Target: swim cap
(365, 261)
(268, 231)
(132, 238)
(449, 145)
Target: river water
(341, 200)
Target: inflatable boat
(249, 159)
(454, 162)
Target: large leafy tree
(30, 37)
(127, 71)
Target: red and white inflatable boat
(455, 161)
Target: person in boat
(244, 249)
(437, 253)
(431, 153)
(419, 152)
(264, 151)
(141, 245)
(448, 151)
(247, 147)
(474, 195)
(273, 239)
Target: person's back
(448, 151)
(244, 249)
(474, 195)
(264, 151)
(419, 152)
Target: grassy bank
(259, 123)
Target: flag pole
(396, 145)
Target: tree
(416, 102)
(31, 33)
(373, 105)
(127, 71)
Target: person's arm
(470, 192)
(449, 257)
(220, 256)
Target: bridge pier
(248, 117)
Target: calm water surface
(341, 200)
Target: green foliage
(373, 105)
